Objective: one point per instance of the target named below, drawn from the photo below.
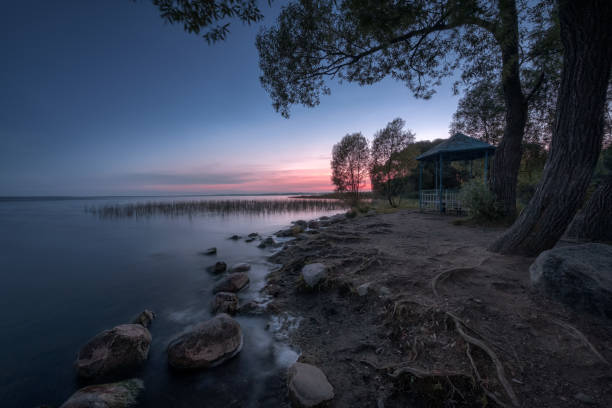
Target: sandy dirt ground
(442, 323)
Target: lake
(67, 274)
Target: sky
(105, 98)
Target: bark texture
(586, 34)
(594, 222)
(508, 154)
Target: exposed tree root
(501, 375)
(580, 336)
(445, 274)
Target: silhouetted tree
(209, 16)
(389, 167)
(586, 34)
(350, 162)
(418, 43)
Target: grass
(223, 207)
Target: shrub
(480, 201)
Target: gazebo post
(486, 170)
(441, 188)
(420, 186)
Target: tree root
(574, 332)
(445, 274)
(501, 375)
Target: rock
(253, 235)
(209, 344)
(209, 251)
(240, 267)
(251, 308)
(362, 290)
(313, 224)
(587, 399)
(269, 241)
(579, 275)
(218, 267)
(301, 223)
(121, 394)
(122, 348)
(313, 274)
(261, 245)
(235, 237)
(225, 302)
(308, 386)
(284, 233)
(324, 218)
(234, 282)
(249, 240)
(297, 229)
(145, 318)
(351, 214)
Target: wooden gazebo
(459, 147)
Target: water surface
(68, 274)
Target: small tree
(389, 167)
(350, 162)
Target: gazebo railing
(430, 200)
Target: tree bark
(586, 34)
(508, 154)
(594, 222)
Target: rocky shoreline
(407, 309)
(385, 310)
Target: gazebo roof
(458, 147)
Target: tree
(389, 166)
(350, 162)
(417, 43)
(212, 15)
(586, 34)
(594, 221)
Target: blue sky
(103, 97)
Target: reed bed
(222, 207)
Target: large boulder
(314, 274)
(121, 394)
(233, 282)
(207, 345)
(121, 348)
(580, 276)
(218, 267)
(225, 302)
(308, 386)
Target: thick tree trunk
(586, 34)
(594, 222)
(508, 154)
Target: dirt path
(478, 337)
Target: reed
(222, 207)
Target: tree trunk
(508, 154)
(586, 34)
(594, 222)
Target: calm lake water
(67, 274)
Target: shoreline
(405, 292)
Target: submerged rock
(233, 282)
(579, 275)
(240, 267)
(235, 237)
(122, 348)
(209, 251)
(145, 318)
(218, 267)
(308, 386)
(225, 302)
(314, 274)
(253, 235)
(121, 394)
(209, 344)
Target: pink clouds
(262, 181)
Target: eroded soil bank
(440, 321)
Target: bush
(480, 201)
